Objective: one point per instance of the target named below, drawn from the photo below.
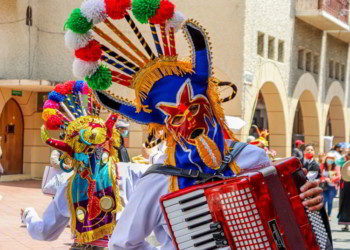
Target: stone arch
(305, 93)
(269, 81)
(335, 111)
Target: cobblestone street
(17, 195)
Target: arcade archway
(270, 104)
(306, 121)
(335, 123)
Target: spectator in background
(330, 178)
(310, 164)
(337, 149)
(123, 154)
(297, 151)
(344, 197)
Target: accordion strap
(174, 171)
(237, 148)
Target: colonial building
(289, 60)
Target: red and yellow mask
(188, 119)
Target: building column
(323, 68)
(322, 77)
(346, 98)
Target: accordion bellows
(257, 210)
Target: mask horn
(201, 54)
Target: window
(260, 49)
(337, 66)
(280, 51)
(330, 69)
(271, 48)
(342, 73)
(308, 61)
(316, 64)
(301, 59)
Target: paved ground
(17, 195)
(341, 240)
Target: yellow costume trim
(235, 168)
(155, 70)
(95, 234)
(44, 134)
(115, 187)
(70, 203)
(172, 184)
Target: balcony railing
(337, 8)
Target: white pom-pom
(81, 69)
(93, 10)
(176, 21)
(76, 41)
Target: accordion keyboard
(318, 228)
(192, 222)
(243, 220)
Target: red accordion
(260, 209)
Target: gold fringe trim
(214, 99)
(112, 164)
(155, 70)
(96, 234)
(172, 184)
(235, 168)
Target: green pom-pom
(101, 80)
(78, 23)
(144, 9)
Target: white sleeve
(55, 219)
(252, 157)
(141, 215)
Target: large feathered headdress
(156, 77)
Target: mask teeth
(208, 151)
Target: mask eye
(178, 120)
(194, 108)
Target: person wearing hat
(122, 126)
(297, 152)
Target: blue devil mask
(183, 102)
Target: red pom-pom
(53, 122)
(116, 9)
(90, 53)
(69, 86)
(164, 13)
(86, 89)
(61, 88)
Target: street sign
(17, 93)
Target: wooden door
(11, 131)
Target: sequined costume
(93, 193)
